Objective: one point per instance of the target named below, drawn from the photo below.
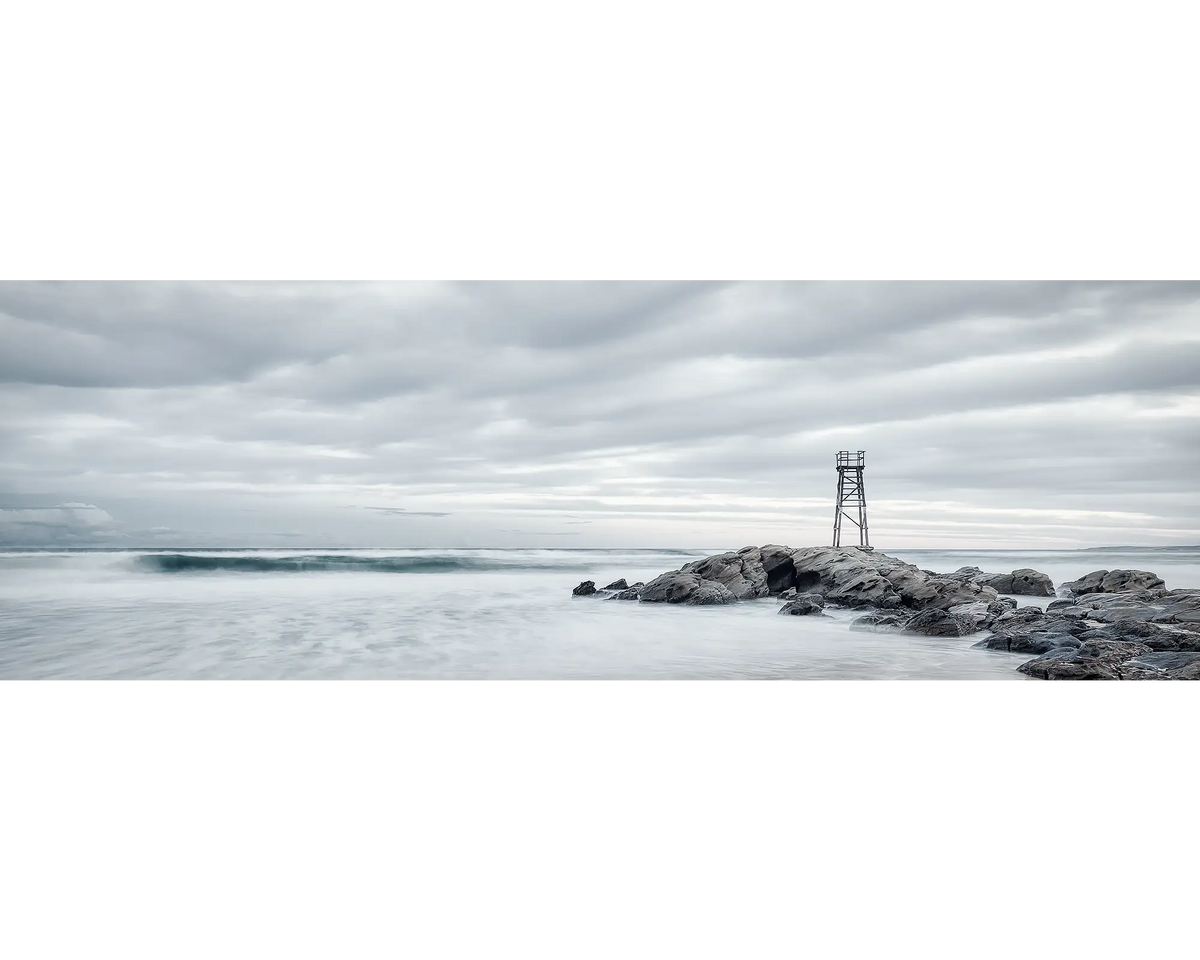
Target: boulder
(686, 587)
(742, 572)
(803, 605)
(585, 589)
(1023, 582)
(1093, 660)
(1113, 581)
(935, 622)
(979, 613)
(618, 585)
(1162, 666)
(629, 593)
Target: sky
(596, 415)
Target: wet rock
(1183, 665)
(741, 573)
(1113, 581)
(585, 589)
(618, 585)
(878, 622)
(1024, 582)
(935, 622)
(979, 613)
(710, 593)
(629, 593)
(1093, 660)
(686, 587)
(804, 605)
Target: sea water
(462, 614)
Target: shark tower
(851, 497)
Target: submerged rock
(585, 589)
(878, 622)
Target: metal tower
(851, 495)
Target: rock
(979, 613)
(1031, 630)
(1093, 660)
(710, 593)
(934, 622)
(742, 572)
(1113, 581)
(789, 594)
(803, 605)
(618, 585)
(585, 589)
(688, 588)
(1162, 666)
(878, 622)
(1031, 583)
(629, 593)
(1024, 582)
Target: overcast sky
(597, 414)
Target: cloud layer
(670, 414)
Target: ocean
(462, 615)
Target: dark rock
(618, 585)
(1093, 660)
(803, 605)
(1031, 583)
(935, 622)
(1113, 581)
(629, 593)
(1025, 582)
(742, 572)
(710, 593)
(585, 589)
(978, 613)
(878, 622)
(1031, 641)
(1163, 666)
(687, 588)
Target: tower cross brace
(851, 496)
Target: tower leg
(864, 540)
(837, 513)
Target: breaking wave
(431, 563)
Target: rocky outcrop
(1118, 625)
(1113, 581)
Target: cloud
(65, 523)
(651, 414)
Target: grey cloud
(463, 404)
